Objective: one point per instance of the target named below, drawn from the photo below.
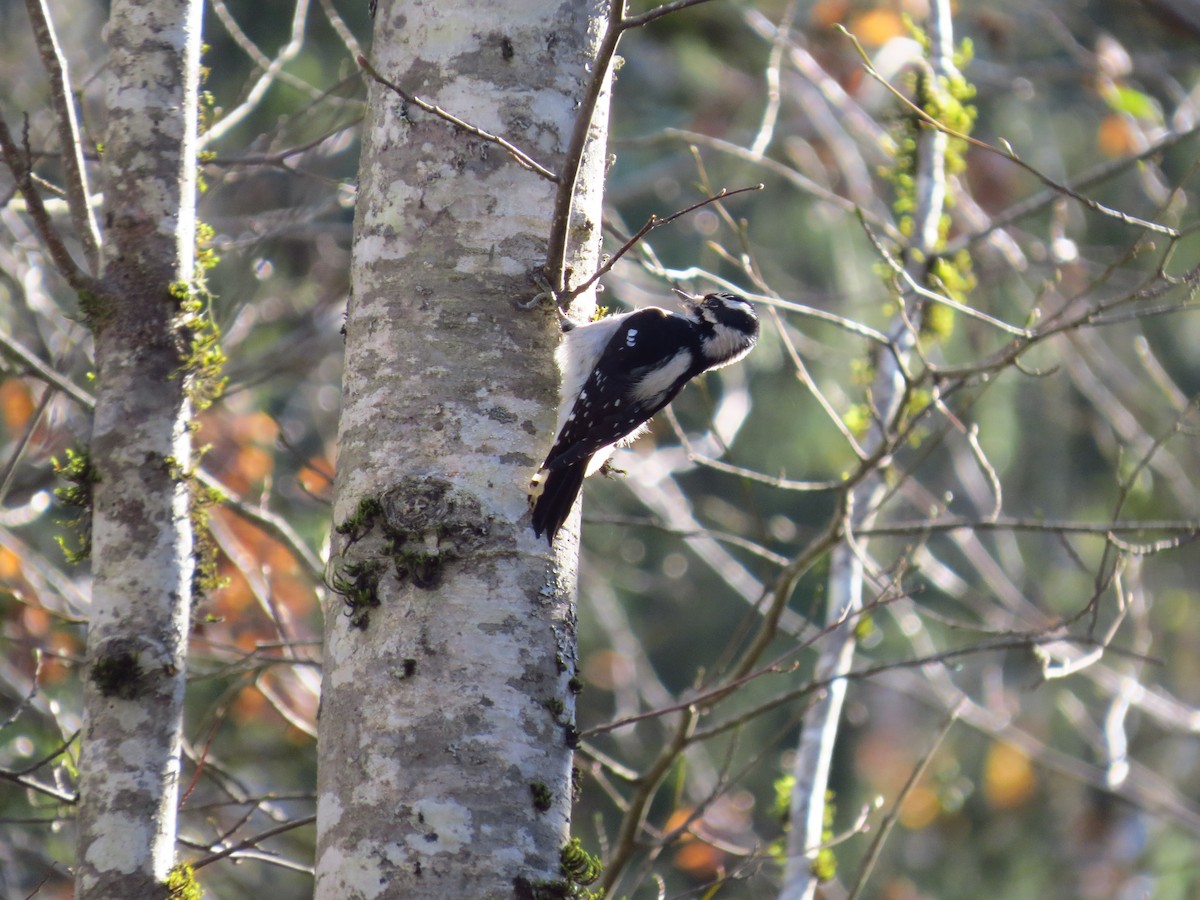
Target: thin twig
(343, 31)
(920, 290)
(272, 524)
(1006, 152)
(74, 171)
(658, 12)
(766, 128)
(35, 419)
(259, 58)
(1042, 199)
(281, 158)
(38, 369)
(522, 158)
(54, 754)
(893, 814)
(798, 180)
(616, 26)
(253, 841)
(556, 250)
(653, 222)
(272, 71)
(19, 165)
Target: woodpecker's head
(727, 323)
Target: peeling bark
(141, 534)
(447, 719)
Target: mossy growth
(203, 359)
(577, 865)
(579, 869)
(858, 418)
(117, 674)
(865, 628)
(425, 523)
(362, 520)
(358, 585)
(558, 709)
(201, 366)
(824, 865)
(206, 577)
(182, 884)
(95, 309)
(781, 805)
(75, 496)
(945, 99)
(543, 799)
(425, 569)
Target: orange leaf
(254, 463)
(16, 405)
(920, 808)
(257, 426)
(314, 476)
(36, 621)
(249, 705)
(10, 564)
(1008, 778)
(876, 27)
(699, 860)
(1115, 136)
(677, 819)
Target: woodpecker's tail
(554, 492)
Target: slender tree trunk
(447, 719)
(813, 761)
(142, 542)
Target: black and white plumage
(621, 370)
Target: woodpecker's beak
(688, 298)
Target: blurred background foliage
(1081, 786)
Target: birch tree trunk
(447, 719)
(141, 534)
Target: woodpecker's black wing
(645, 364)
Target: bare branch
(651, 223)
(27, 359)
(272, 69)
(522, 158)
(1007, 152)
(18, 163)
(78, 194)
(253, 841)
(893, 814)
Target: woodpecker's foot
(608, 470)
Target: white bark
(814, 753)
(142, 544)
(445, 766)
